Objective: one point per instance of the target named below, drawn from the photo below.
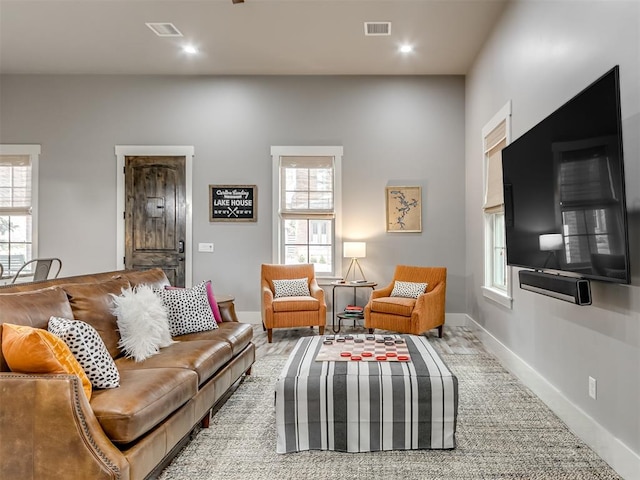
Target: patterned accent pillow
(297, 287)
(89, 349)
(212, 300)
(35, 350)
(408, 289)
(188, 309)
(142, 322)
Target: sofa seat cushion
(237, 335)
(295, 304)
(393, 305)
(205, 357)
(144, 399)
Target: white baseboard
(451, 319)
(621, 458)
(254, 318)
(456, 320)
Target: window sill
(498, 296)
(326, 281)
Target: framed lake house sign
(233, 203)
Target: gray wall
(395, 130)
(540, 55)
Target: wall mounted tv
(564, 191)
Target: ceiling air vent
(164, 29)
(377, 28)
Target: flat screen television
(564, 191)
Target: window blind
(494, 142)
(307, 186)
(15, 184)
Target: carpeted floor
(504, 432)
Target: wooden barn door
(155, 215)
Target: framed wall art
(233, 203)
(404, 209)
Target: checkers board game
(363, 348)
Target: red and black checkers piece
(363, 348)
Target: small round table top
(343, 283)
(224, 298)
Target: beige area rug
(504, 432)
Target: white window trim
(123, 151)
(34, 156)
(307, 151)
(497, 295)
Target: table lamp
(354, 251)
(550, 242)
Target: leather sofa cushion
(393, 305)
(155, 277)
(205, 357)
(92, 303)
(144, 399)
(34, 308)
(295, 304)
(237, 335)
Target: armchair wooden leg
(264, 329)
(440, 330)
(321, 330)
(371, 331)
(269, 335)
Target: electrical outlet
(205, 247)
(592, 387)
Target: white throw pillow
(188, 309)
(408, 289)
(142, 321)
(296, 287)
(88, 349)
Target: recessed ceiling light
(190, 49)
(406, 48)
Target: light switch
(205, 247)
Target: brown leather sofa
(48, 428)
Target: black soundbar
(569, 289)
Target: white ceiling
(304, 37)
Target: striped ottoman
(352, 406)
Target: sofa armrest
(267, 297)
(431, 303)
(316, 291)
(382, 292)
(266, 301)
(48, 430)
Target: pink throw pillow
(212, 300)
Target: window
(495, 136)
(18, 205)
(307, 204)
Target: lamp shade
(551, 241)
(354, 249)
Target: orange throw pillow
(34, 350)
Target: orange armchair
(409, 315)
(291, 311)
